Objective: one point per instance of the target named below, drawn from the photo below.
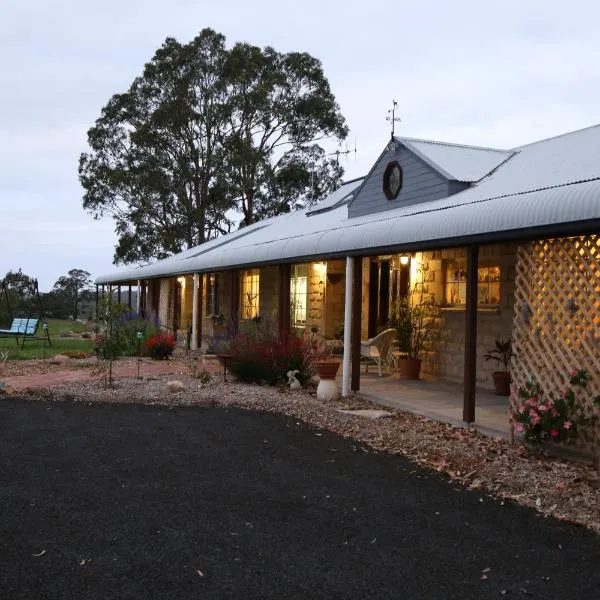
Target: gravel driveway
(132, 501)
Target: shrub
(75, 354)
(160, 347)
(126, 328)
(261, 356)
(107, 347)
(542, 418)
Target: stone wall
(268, 307)
(445, 358)
(334, 297)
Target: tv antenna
(392, 118)
(345, 152)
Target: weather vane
(392, 116)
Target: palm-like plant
(502, 353)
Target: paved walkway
(438, 400)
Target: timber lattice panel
(556, 323)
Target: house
(506, 239)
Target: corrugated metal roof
(342, 195)
(550, 183)
(456, 161)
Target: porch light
(404, 259)
(321, 268)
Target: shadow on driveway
(134, 501)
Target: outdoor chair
(378, 348)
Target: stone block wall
(269, 297)
(445, 358)
(334, 296)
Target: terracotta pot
(327, 369)
(501, 382)
(409, 368)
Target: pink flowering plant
(541, 417)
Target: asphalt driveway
(132, 501)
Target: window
(212, 294)
(392, 180)
(488, 285)
(299, 294)
(250, 293)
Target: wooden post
(350, 260)
(356, 323)
(97, 302)
(129, 297)
(234, 304)
(199, 309)
(284, 301)
(119, 294)
(470, 336)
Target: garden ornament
(293, 380)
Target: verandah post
(356, 323)
(347, 326)
(194, 340)
(470, 371)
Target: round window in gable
(392, 180)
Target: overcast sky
(497, 73)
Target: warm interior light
(404, 259)
(320, 268)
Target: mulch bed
(106, 497)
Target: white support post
(138, 299)
(194, 340)
(347, 327)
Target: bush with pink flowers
(542, 418)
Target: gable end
(420, 183)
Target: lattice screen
(556, 326)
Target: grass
(59, 330)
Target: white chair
(378, 348)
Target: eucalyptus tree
(205, 132)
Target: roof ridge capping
(559, 135)
(453, 144)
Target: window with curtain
(488, 285)
(299, 294)
(250, 293)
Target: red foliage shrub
(263, 357)
(160, 347)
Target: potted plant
(414, 321)
(502, 353)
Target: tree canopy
(204, 131)
(74, 287)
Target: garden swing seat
(22, 328)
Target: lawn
(60, 331)
(131, 501)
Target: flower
(543, 417)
